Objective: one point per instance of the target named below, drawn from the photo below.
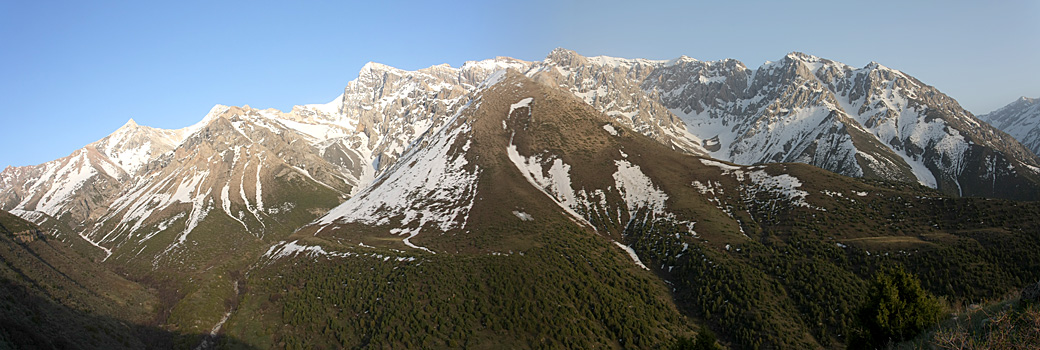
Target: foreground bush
(896, 309)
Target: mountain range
(475, 206)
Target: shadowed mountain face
(55, 298)
(574, 202)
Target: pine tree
(896, 309)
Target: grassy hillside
(10, 224)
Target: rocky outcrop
(28, 236)
(613, 86)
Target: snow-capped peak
(214, 113)
(795, 55)
(615, 62)
(331, 107)
(873, 65)
(495, 64)
(681, 59)
(372, 67)
(129, 124)
(1020, 119)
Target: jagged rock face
(720, 81)
(867, 122)
(392, 107)
(612, 86)
(244, 171)
(70, 189)
(777, 114)
(873, 121)
(931, 130)
(132, 146)
(1021, 120)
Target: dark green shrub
(705, 341)
(896, 309)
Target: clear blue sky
(73, 72)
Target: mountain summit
(1020, 119)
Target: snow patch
(493, 79)
(294, 248)
(411, 234)
(330, 108)
(31, 216)
(523, 216)
(108, 252)
(784, 184)
(637, 189)
(556, 184)
(317, 132)
(720, 165)
(523, 103)
(225, 203)
(632, 254)
(291, 249)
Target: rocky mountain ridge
(870, 122)
(1020, 119)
